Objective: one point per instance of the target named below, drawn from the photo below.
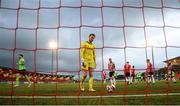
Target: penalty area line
(105, 96)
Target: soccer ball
(110, 88)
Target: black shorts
(133, 75)
(170, 74)
(151, 73)
(127, 74)
(111, 73)
(22, 71)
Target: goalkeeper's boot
(91, 90)
(82, 89)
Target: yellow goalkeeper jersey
(87, 51)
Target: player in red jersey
(150, 71)
(170, 74)
(1, 74)
(133, 74)
(111, 68)
(104, 76)
(127, 72)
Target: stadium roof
(172, 59)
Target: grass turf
(72, 89)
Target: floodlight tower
(152, 44)
(52, 46)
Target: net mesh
(126, 21)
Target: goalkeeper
(88, 60)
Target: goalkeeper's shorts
(88, 64)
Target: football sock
(90, 83)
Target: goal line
(106, 96)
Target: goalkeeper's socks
(83, 78)
(81, 83)
(90, 83)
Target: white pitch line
(107, 96)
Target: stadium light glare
(152, 43)
(53, 45)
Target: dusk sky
(58, 20)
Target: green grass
(71, 89)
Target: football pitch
(67, 93)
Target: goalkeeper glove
(83, 63)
